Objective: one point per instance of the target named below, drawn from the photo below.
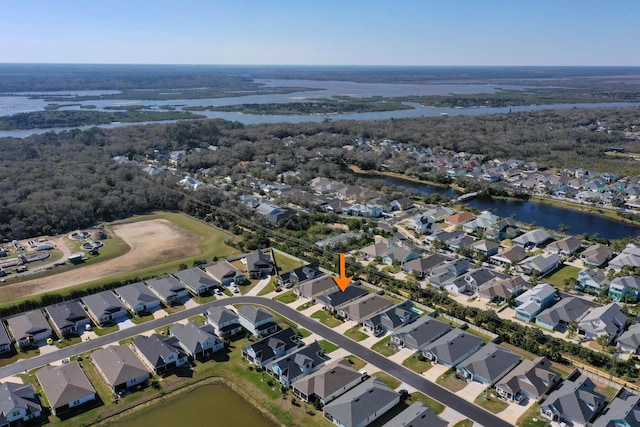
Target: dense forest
(56, 182)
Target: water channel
(546, 216)
(208, 405)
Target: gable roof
(156, 347)
(569, 245)
(103, 303)
(28, 324)
(367, 306)
(576, 400)
(222, 270)
(625, 407)
(460, 217)
(596, 254)
(541, 291)
(513, 254)
(328, 379)
(165, 286)
(118, 363)
(291, 366)
(503, 288)
(607, 319)
(66, 314)
(394, 316)
(361, 402)
(537, 237)
(64, 384)
(453, 345)
(566, 310)
(314, 287)
(491, 362)
(338, 298)
(425, 265)
(417, 415)
(534, 376)
(254, 314)
(421, 332)
(136, 294)
(192, 336)
(4, 335)
(17, 396)
(302, 274)
(631, 337)
(543, 263)
(257, 260)
(196, 279)
(220, 315)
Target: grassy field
(356, 334)
(567, 272)
(327, 346)
(449, 381)
(285, 263)
(326, 318)
(526, 419)
(416, 365)
(492, 403)
(287, 297)
(383, 347)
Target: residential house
(592, 280)
(534, 300)
(197, 281)
(487, 248)
(198, 341)
(258, 321)
(459, 218)
(531, 379)
(328, 382)
(273, 347)
(422, 267)
(259, 265)
(541, 264)
(488, 364)
(119, 367)
(160, 354)
(225, 322)
(295, 365)
(510, 256)
(5, 339)
(439, 213)
(364, 308)
(596, 255)
(65, 386)
(448, 271)
(630, 256)
(502, 290)
(423, 224)
(390, 252)
(629, 341)
(168, 289)
(607, 319)
(565, 247)
(105, 308)
(575, 403)
(470, 282)
(420, 333)
(338, 299)
(452, 348)
(391, 319)
(460, 241)
(315, 288)
(566, 310)
(225, 273)
(417, 415)
(370, 210)
(625, 287)
(361, 405)
(29, 328)
(532, 238)
(483, 222)
(623, 411)
(138, 298)
(299, 275)
(18, 404)
(67, 317)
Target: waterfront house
(168, 289)
(29, 328)
(299, 275)
(591, 280)
(418, 334)
(364, 308)
(575, 403)
(367, 210)
(198, 341)
(105, 308)
(623, 411)
(452, 348)
(533, 238)
(119, 367)
(225, 322)
(488, 364)
(596, 255)
(391, 319)
(295, 365)
(482, 222)
(607, 319)
(196, 281)
(459, 218)
(268, 349)
(541, 264)
(417, 415)
(258, 321)
(18, 404)
(502, 289)
(138, 298)
(629, 341)
(5, 340)
(534, 300)
(65, 386)
(225, 273)
(625, 287)
(361, 405)
(259, 265)
(160, 354)
(328, 382)
(565, 247)
(422, 267)
(510, 256)
(566, 310)
(315, 288)
(338, 299)
(531, 379)
(67, 317)
(630, 256)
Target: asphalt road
(433, 390)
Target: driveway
(471, 391)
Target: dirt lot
(152, 242)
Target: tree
(563, 228)
(572, 328)
(603, 341)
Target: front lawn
(390, 381)
(464, 423)
(287, 297)
(383, 347)
(104, 330)
(449, 381)
(566, 272)
(491, 402)
(326, 318)
(416, 364)
(356, 362)
(271, 287)
(355, 334)
(532, 418)
(305, 306)
(430, 403)
(327, 346)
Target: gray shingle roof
(365, 307)
(491, 362)
(338, 298)
(534, 376)
(193, 336)
(453, 345)
(17, 396)
(4, 335)
(328, 379)
(422, 332)
(607, 319)
(119, 364)
(566, 310)
(631, 337)
(254, 314)
(417, 415)
(64, 384)
(575, 400)
(103, 303)
(66, 314)
(264, 349)
(314, 287)
(626, 406)
(165, 286)
(28, 324)
(196, 280)
(291, 365)
(136, 294)
(221, 315)
(223, 270)
(156, 347)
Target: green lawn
(390, 381)
(204, 299)
(416, 365)
(305, 306)
(287, 297)
(430, 403)
(14, 356)
(303, 332)
(103, 330)
(356, 362)
(526, 419)
(271, 287)
(492, 403)
(198, 318)
(328, 346)
(285, 263)
(356, 334)
(383, 347)
(449, 381)
(141, 319)
(326, 318)
(557, 279)
(464, 423)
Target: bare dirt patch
(152, 242)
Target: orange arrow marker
(342, 281)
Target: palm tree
(572, 328)
(603, 341)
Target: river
(547, 216)
(208, 405)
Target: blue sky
(328, 32)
